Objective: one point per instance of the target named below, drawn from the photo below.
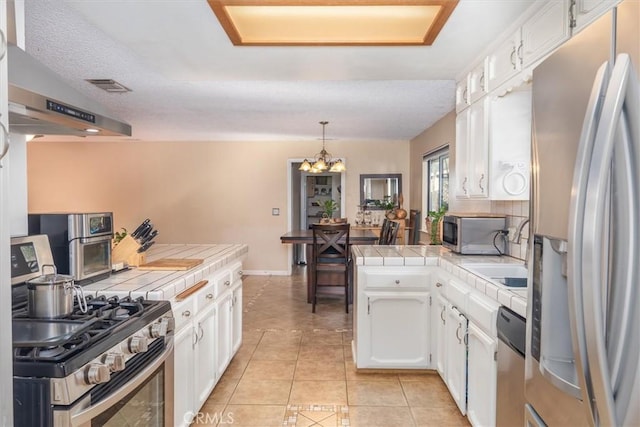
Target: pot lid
(50, 279)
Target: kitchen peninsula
(422, 307)
(207, 308)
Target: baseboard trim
(266, 272)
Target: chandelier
(323, 161)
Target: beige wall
(195, 192)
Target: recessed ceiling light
(92, 130)
(349, 22)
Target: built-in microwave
(80, 242)
(474, 234)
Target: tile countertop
(374, 255)
(164, 285)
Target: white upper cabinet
(545, 31)
(585, 12)
(477, 83)
(462, 149)
(462, 94)
(478, 152)
(504, 62)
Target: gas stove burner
(119, 314)
(51, 351)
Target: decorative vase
(400, 213)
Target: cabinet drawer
(222, 281)
(456, 293)
(397, 278)
(235, 272)
(183, 312)
(483, 311)
(205, 297)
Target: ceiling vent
(109, 85)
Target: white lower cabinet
(440, 322)
(236, 325)
(183, 376)
(205, 355)
(482, 370)
(456, 354)
(208, 333)
(223, 348)
(395, 333)
(392, 317)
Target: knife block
(126, 251)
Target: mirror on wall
(376, 189)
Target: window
(435, 178)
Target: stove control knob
(137, 345)
(96, 373)
(158, 329)
(115, 361)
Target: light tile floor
(295, 368)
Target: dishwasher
(510, 386)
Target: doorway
(306, 192)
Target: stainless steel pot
(51, 295)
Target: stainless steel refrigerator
(583, 319)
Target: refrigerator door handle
(576, 221)
(593, 271)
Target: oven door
(145, 399)
(90, 257)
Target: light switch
(275, 211)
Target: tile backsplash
(516, 212)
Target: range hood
(42, 103)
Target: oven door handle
(92, 411)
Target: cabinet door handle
(480, 183)
(194, 339)
(520, 51)
(240, 273)
(4, 136)
(444, 308)
(458, 333)
(397, 281)
(3, 45)
(464, 95)
(209, 296)
(512, 57)
(482, 83)
(186, 313)
(368, 305)
(464, 185)
(438, 285)
(466, 339)
(201, 330)
(227, 282)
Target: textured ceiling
(190, 83)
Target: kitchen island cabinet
(207, 306)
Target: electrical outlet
(512, 234)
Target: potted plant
(328, 208)
(433, 224)
(389, 205)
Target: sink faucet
(519, 231)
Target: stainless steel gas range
(110, 365)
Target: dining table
(356, 237)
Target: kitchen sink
(510, 275)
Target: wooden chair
(414, 227)
(331, 260)
(384, 231)
(389, 232)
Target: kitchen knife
(149, 238)
(137, 231)
(145, 247)
(144, 233)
